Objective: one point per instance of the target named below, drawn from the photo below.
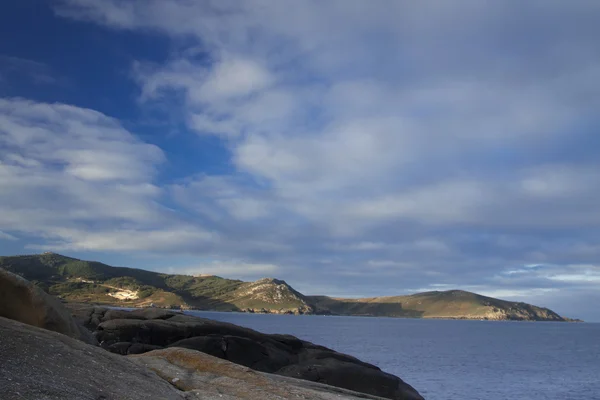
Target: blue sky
(352, 148)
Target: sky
(352, 148)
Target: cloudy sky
(352, 148)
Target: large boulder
(334, 372)
(201, 374)
(139, 331)
(265, 356)
(41, 364)
(21, 300)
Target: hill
(452, 304)
(93, 282)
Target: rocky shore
(85, 352)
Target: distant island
(81, 281)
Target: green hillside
(457, 304)
(88, 281)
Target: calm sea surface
(457, 360)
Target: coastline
(110, 353)
(447, 318)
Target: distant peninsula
(81, 281)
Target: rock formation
(41, 364)
(45, 354)
(141, 331)
(205, 375)
(22, 301)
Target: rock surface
(40, 364)
(203, 376)
(21, 300)
(349, 375)
(139, 331)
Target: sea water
(462, 360)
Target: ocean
(457, 360)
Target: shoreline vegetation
(91, 282)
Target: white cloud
(346, 141)
(227, 79)
(162, 239)
(234, 269)
(428, 133)
(515, 294)
(362, 246)
(218, 197)
(80, 142)
(234, 78)
(589, 277)
(574, 274)
(6, 236)
(585, 274)
(387, 264)
(214, 94)
(78, 179)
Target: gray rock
(280, 354)
(40, 364)
(332, 371)
(139, 348)
(142, 313)
(22, 301)
(203, 376)
(125, 348)
(263, 356)
(163, 332)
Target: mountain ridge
(76, 280)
